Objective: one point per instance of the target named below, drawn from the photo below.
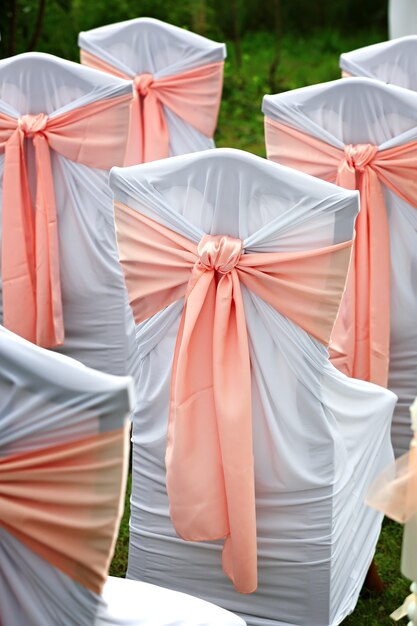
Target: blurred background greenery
(273, 46)
(52, 25)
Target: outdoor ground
(303, 62)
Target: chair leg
(373, 582)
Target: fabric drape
(193, 95)
(210, 488)
(59, 501)
(361, 337)
(94, 135)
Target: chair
(362, 134)
(177, 80)
(391, 62)
(249, 437)
(63, 465)
(61, 287)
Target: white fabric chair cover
(47, 399)
(390, 61)
(360, 110)
(99, 328)
(133, 603)
(402, 18)
(148, 45)
(318, 439)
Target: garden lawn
(303, 62)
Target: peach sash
(64, 502)
(94, 135)
(361, 337)
(394, 492)
(193, 95)
(209, 455)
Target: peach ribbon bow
(361, 337)
(94, 135)
(209, 456)
(64, 503)
(193, 95)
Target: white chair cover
(360, 110)
(133, 603)
(99, 328)
(47, 399)
(148, 45)
(390, 61)
(318, 440)
(402, 18)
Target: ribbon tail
(155, 129)
(194, 476)
(379, 281)
(49, 314)
(135, 143)
(232, 392)
(18, 276)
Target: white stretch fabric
(133, 603)
(148, 45)
(361, 110)
(402, 18)
(47, 399)
(319, 437)
(392, 62)
(99, 329)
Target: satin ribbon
(94, 135)
(65, 502)
(361, 337)
(193, 95)
(209, 455)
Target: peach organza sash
(193, 95)
(394, 492)
(361, 337)
(64, 502)
(209, 456)
(94, 135)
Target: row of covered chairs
(297, 537)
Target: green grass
(303, 62)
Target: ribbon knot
(360, 155)
(142, 82)
(30, 125)
(219, 252)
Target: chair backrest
(63, 466)
(349, 113)
(272, 209)
(149, 46)
(391, 62)
(96, 319)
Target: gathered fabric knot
(142, 82)
(30, 125)
(360, 155)
(219, 252)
